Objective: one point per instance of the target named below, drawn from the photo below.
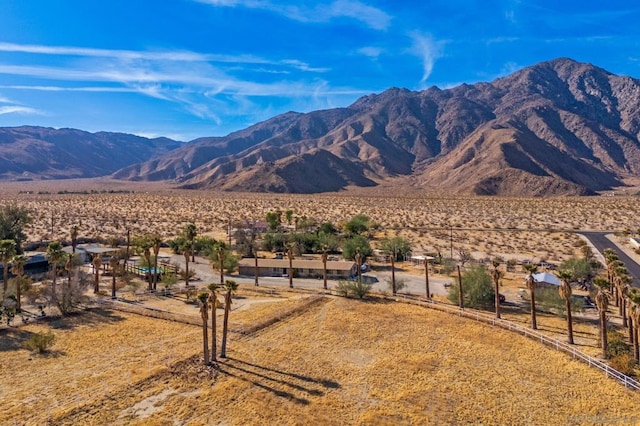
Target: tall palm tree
(619, 272)
(231, 286)
(565, 292)
(213, 302)
(634, 298)
(55, 254)
(97, 264)
(157, 242)
(143, 247)
(531, 269)
(426, 277)
(190, 232)
(324, 266)
(221, 255)
(204, 314)
(7, 251)
(17, 267)
(496, 275)
(290, 257)
(113, 263)
(74, 238)
(602, 301)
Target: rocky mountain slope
(555, 128)
(44, 153)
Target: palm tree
(619, 272)
(565, 292)
(634, 298)
(143, 247)
(290, 257)
(213, 301)
(17, 267)
(324, 266)
(496, 275)
(426, 276)
(97, 264)
(156, 241)
(231, 286)
(602, 301)
(74, 238)
(54, 255)
(190, 233)
(113, 263)
(7, 251)
(358, 259)
(221, 256)
(531, 269)
(204, 314)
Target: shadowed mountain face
(555, 128)
(44, 153)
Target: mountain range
(555, 128)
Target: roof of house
(340, 265)
(545, 277)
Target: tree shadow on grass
(91, 317)
(277, 379)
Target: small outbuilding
(547, 278)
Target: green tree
(273, 220)
(156, 242)
(223, 260)
(143, 245)
(357, 225)
(580, 269)
(351, 245)
(477, 289)
(13, 221)
(230, 287)
(7, 251)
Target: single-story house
(303, 268)
(546, 278)
(86, 253)
(418, 260)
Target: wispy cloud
(428, 50)
(371, 51)
(370, 16)
(16, 109)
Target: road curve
(601, 242)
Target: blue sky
(191, 68)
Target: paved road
(601, 242)
(414, 284)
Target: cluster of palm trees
(625, 297)
(9, 256)
(209, 301)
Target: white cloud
(371, 51)
(428, 50)
(372, 17)
(15, 109)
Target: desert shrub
(342, 288)
(616, 345)
(357, 242)
(477, 288)
(40, 342)
(624, 363)
(360, 289)
(548, 299)
(400, 284)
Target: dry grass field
(486, 226)
(339, 362)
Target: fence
(627, 381)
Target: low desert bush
(40, 342)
